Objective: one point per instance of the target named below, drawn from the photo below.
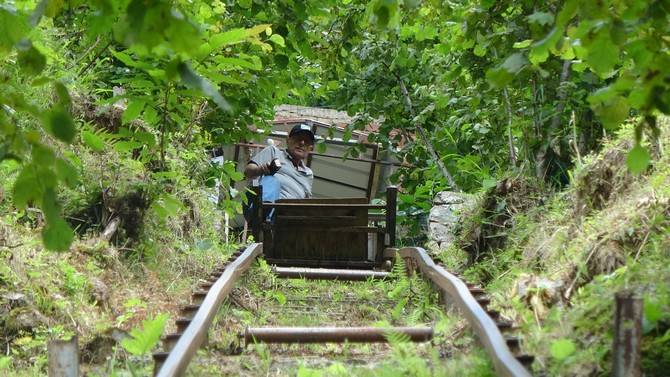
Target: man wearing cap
(284, 173)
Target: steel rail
(196, 332)
(486, 329)
(328, 274)
(332, 334)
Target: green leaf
(523, 44)
(280, 297)
(638, 159)
(143, 341)
(612, 112)
(26, 188)
(504, 73)
(133, 111)
(236, 63)
(63, 94)
(229, 37)
(258, 29)
(514, 63)
(13, 27)
(382, 15)
(278, 39)
(567, 13)
(539, 51)
(127, 60)
(60, 124)
(31, 61)
(57, 235)
(93, 141)
(321, 146)
(653, 310)
(562, 348)
(603, 54)
(66, 172)
(245, 4)
(281, 61)
(150, 115)
(167, 205)
(194, 80)
(479, 50)
(126, 145)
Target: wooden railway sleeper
(188, 311)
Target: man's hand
(252, 170)
(271, 167)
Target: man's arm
(263, 163)
(252, 170)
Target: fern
(142, 341)
(399, 269)
(395, 338)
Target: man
(284, 173)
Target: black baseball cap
(298, 128)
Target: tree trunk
(541, 157)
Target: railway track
(493, 333)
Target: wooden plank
(391, 204)
(361, 200)
(310, 219)
(373, 167)
(324, 206)
(296, 262)
(329, 228)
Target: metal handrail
(486, 329)
(196, 332)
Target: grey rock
(26, 318)
(100, 292)
(441, 234)
(445, 216)
(449, 197)
(15, 298)
(548, 289)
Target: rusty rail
(486, 329)
(332, 334)
(196, 332)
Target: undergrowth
(103, 290)
(565, 257)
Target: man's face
(299, 145)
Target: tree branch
(424, 137)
